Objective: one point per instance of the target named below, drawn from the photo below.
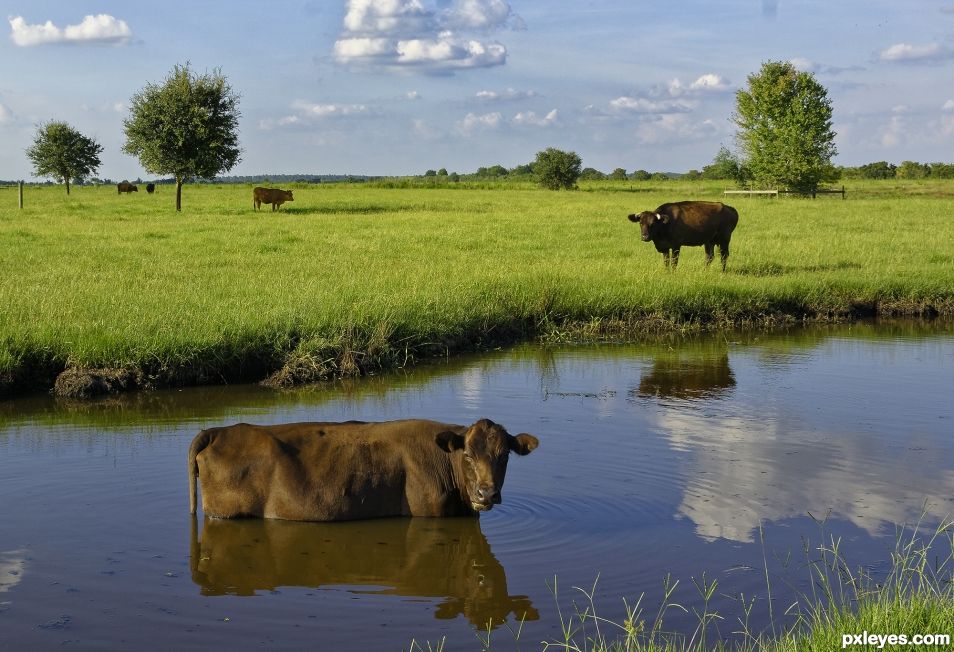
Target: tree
(878, 170)
(591, 174)
(725, 165)
(187, 127)
(556, 169)
(61, 152)
(642, 175)
(913, 170)
(619, 174)
(430, 173)
(442, 172)
(784, 120)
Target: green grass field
(350, 278)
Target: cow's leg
(724, 252)
(666, 259)
(675, 257)
(710, 252)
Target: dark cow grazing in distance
(353, 470)
(150, 188)
(274, 196)
(125, 186)
(688, 224)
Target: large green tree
(785, 128)
(186, 127)
(556, 169)
(61, 152)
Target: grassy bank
(350, 278)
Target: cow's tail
(201, 440)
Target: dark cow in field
(125, 186)
(150, 188)
(688, 224)
(274, 196)
(352, 470)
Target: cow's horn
(658, 216)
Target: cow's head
(650, 223)
(288, 195)
(485, 448)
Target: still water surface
(654, 459)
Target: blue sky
(400, 86)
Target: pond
(718, 455)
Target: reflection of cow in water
(692, 376)
(447, 559)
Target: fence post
(20, 194)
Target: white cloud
(708, 83)
(948, 106)
(529, 118)
(626, 104)
(6, 115)
(99, 29)
(406, 34)
(904, 52)
(309, 113)
(675, 128)
(507, 95)
(473, 122)
(412, 95)
(893, 133)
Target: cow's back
(699, 222)
(325, 471)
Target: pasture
(351, 277)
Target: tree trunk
(67, 180)
(178, 194)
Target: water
(654, 459)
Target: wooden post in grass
(20, 194)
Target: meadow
(351, 278)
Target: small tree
(784, 120)
(61, 152)
(556, 169)
(913, 170)
(591, 174)
(430, 173)
(642, 175)
(725, 165)
(187, 127)
(619, 174)
(442, 172)
(878, 170)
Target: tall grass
(351, 277)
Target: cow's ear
(450, 441)
(663, 217)
(632, 218)
(523, 443)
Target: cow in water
(125, 186)
(352, 470)
(273, 196)
(688, 224)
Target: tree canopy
(785, 128)
(187, 127)
(61, 152)
(556, 169)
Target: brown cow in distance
(689, 224)
(353, 470)
(125, 186)
(274, 196)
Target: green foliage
(591, 174)
(878, 170)
(785, 128)
(442, 172)
(63, 153)
(556, 169)
(642, 175)
(492, 171)
(187, 127)
(913, 170)
(659, 176)
(725, 165)
(619, 174)
(430, 173)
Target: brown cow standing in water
(352, 470)
(274, 196)
(690, 224)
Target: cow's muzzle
(646, 238)
(485, 497)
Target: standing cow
(150, 188)
(274, 196)
(689, 224)
(125, 186)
